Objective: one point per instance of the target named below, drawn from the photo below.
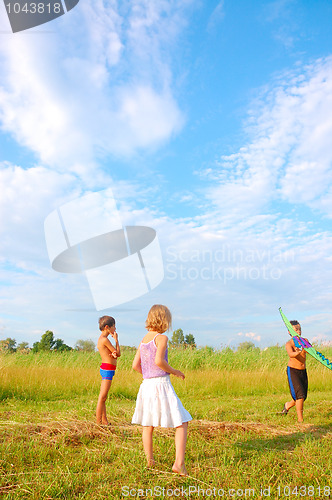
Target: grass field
(238, 444)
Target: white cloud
(289, 154)
(212, 276)
(27, 196)
(217, 16)
(101, 84)
(321, 340)
(250, 335)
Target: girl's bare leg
(147, 444)
(180, 447)
(101, 405)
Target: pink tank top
(148, 355)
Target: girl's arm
(137, 362)
(161, 343)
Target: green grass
(50, 446)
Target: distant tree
(35, 347)
(48, 343)
(85, 345)
(246, 346)
(177, 337)
(8, 345)
(189, 340)
(60, 346)
(23, 347)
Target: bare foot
(180, 470)
(151, 462)
(104, 424)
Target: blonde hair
(159, 319)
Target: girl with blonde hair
(157, 403)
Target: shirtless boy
(109, 355)
(297, 375)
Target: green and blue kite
(305, 344)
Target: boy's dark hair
(294, 322)
(106, 321)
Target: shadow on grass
(286, 441)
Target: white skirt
(158, 405)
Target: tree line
(46, 343)
(49, 343)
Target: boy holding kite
(296, 374)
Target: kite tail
(327, 361)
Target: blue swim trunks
(107, 371)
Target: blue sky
(210, 122)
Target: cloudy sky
(210, 122)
